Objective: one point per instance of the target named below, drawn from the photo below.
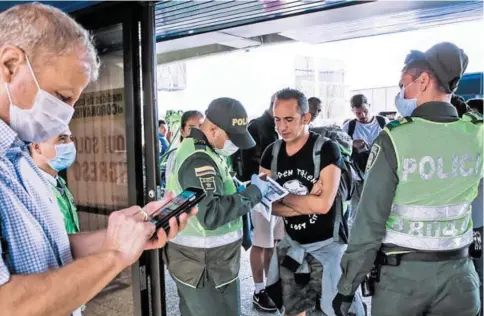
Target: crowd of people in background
(320, 210)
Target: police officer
(53, 156)
(205, 259)
(414, 217)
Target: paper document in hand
(275, 193)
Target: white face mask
(47, 118)
(228, 150)
(406, 106)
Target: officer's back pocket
(391, 280)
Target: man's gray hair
(46, 32)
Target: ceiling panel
(182, 18)
(306, 21)
(450, 12)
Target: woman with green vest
(413, 229)
(189, 120)
(204, 260)
(53, 156)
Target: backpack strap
(381, 121)
(317, 155)
(474, 117)
(351, 127)
(276, 147)
(339, 221)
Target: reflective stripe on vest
(194, 235)
(428, 243)
(207, 242)
(438, 179)
(427, 213)
(421, 227)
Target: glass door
(99, 179)
(115, 138)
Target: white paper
(77, 312)
(274, 194)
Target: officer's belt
(394, 259)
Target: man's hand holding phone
(360, 144)
(129, 232)
(177, 224)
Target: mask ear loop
(402, 91)
(418, 94)
(10, 99)
(32, 71)
(8, 94)
(56, 151)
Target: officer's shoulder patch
(473, 117)
(399, 122)
(205, 171)
(375, 151)
(208, 183)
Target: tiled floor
(116, 300)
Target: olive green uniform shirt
(221, 264)
(374, 207)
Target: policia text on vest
(454, 165)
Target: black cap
(448, 62)
(230, 115)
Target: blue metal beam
(66, 6)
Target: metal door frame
(137, 20)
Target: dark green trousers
(416, 288)
(206, 300)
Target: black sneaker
(263, 302)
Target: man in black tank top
(308, 211)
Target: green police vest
(439, 169)
(67, 207)
(194, 235)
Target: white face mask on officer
(47, 118)
(228, 150)
(228, 147)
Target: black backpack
(351, 174)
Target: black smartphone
(178, 205)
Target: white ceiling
(365, 19)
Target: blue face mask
(64, 158)
(406, 106)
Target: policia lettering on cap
(204, 259)
(414, 227)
